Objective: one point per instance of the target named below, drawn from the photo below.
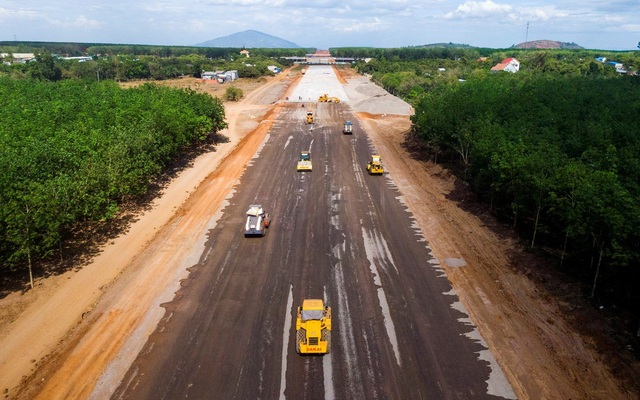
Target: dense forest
(556, 157)
(74, 150)
(553, 150)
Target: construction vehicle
(304, 162)
(257, 221)
(309, 117)
(348, 128)
(325, 98)
(313, 328)
(374, 166)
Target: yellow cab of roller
(313, 328)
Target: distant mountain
(250, 39)
(547, 44)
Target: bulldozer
(309, 117)
(374, 166)
(313, 328)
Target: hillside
(446, 45)
(547, 44)
(250, 39)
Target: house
(508, 64)
(208, 75)
(231, 75)
(244, 52)
(220, 76)
(620, 68)
(17, 58)
(79, 59)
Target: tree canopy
(73, 150)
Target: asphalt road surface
(337, 233)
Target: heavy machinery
(309, 117)
(374, 166)
(325, 98)
(348, 128)
(257, 221)
(313, 328)
(304, 162)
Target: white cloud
(16, 13)
(475, 9)
(164, 7)
(372, 25)
(502, 12)
(80, 22)
(631, 28)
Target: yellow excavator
(313, 328)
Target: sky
(604, 25)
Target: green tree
(44, 67)
(233, 93)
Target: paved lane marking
(327, 366)
(370, 247)
(288, 140)
(286, 336)
(346, 331)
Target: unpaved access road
(119, 296)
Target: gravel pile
(366, 96)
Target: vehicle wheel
(300, 336)
(326, 336)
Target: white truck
(348, 128)
(257, 221)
